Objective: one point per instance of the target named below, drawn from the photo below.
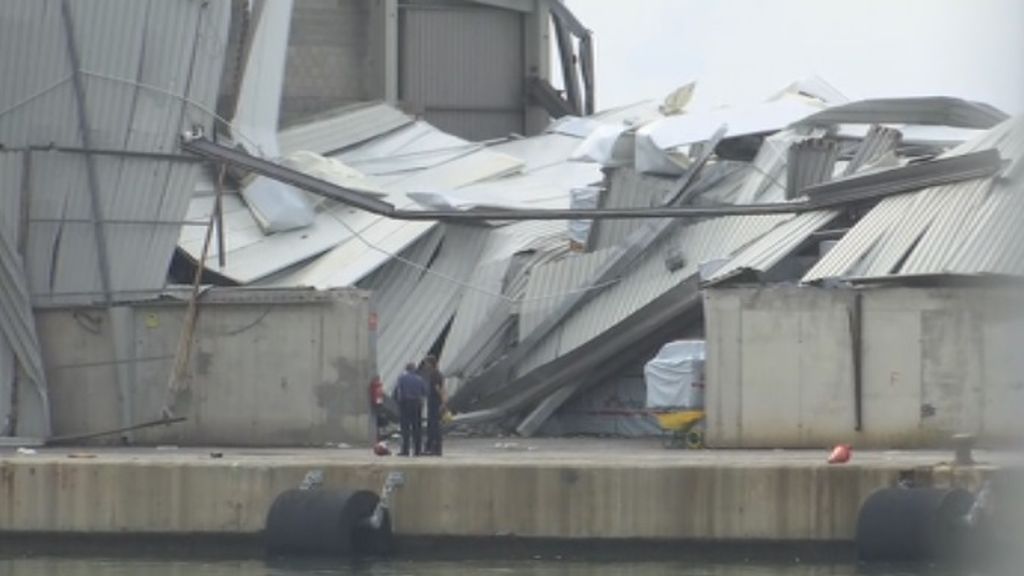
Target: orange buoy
(840, 454)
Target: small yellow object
(152, 321)
(680, 420)
(446, 417)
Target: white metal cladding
(140, 62)
(463, 67)
(342, 129)
(477, 307)
(395, 282)
(998, 244)
(770, 249)
(416, 323)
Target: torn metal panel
(551, 284)
(908, 178)
(414, 325)
(932, 110)
(810, 162)
(768, 250)
(879, 142)
(336, 131)
(18, 328)
(138, 64)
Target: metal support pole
(90, 162)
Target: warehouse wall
(935, 362)
(268, 368)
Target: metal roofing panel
(768, 250)
(416, 323)
(930, 110)
(416, 146)
(952, 229)
(139, 61)
(627, 189)
(343, 128)
(478, 308)
(551, 283)
(698, 242)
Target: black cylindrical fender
(321, 522)
(912, 524)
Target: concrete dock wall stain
(545, 500)
(934, 362)
(270, 368)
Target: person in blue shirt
(410, 391)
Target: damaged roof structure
(537, 268)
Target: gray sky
(744, 50)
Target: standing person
(435, 403)
(410, 391)
(377, 406)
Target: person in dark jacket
(435, 403)
(410, 392)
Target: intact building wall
(933, 362)
(268, 368)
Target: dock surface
(533, 488)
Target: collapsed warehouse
(543, 270)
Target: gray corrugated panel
(463, 67)
(139, 61)
(478, 309)
(998, 245)
(938, 230)
(810, 162)
(342, 129)
(878, 142)
(549, 285)
(937, 110)
(395, 282)
(698, 242)
(770, 249)
(767, 173)
(939, 216)
(627, 189)
(416, 323)
(17, 325)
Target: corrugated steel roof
(138, 61)
(550, 284)
(343, 128)
(698, 242)
(416, 323)
(768, 250)
(954, 229)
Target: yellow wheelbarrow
(684, 428)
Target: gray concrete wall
(935, 362)
(268, 368)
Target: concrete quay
(529, 488)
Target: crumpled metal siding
(170, 47)
(961, 228)
(416, 323)
(768, 250)
(342, 129)
(550, 284)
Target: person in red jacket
(377, 406)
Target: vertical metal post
(219, 217)
(90, 161)
(569, 74)
(587, 68)
(391, 49)
(25, 205)
(857, 349)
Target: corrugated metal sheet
(627, 189)
(810, 162)
(417, 146)
(878, 142)
(416, 323)
(462, 66)
(342, 129)
(175, 50)
(478, 308)
(698, 242)
(18, 339)
(953, 229)
(768, 250)
(550, 284)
